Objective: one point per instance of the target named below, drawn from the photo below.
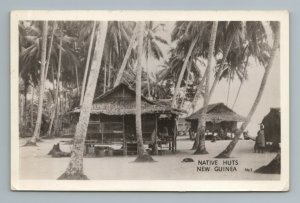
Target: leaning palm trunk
(220, 70)
(184, 66)
(143, 156)
(87, 64)
(227, 152)
(186, 83)
(126, 57)
(74, 170)
(104, 77)
(42, 83)
(77, 82)
(199, 91)
(201, 149)
(237, 94)
(109, 73)
(228, 90)
(50, 50)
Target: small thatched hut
(272, 126)
(220, 119)
(112, 119)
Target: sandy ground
(36, 164)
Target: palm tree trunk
(56, 104)
(75, 168)
(21, 113)
(228, 91)
(42, 83)
(186, 82)
(148, 78)
(87, 64)
(242, 79)
(237, 95)
(220, 70)
(199, 89)
(174, 99)
(77, 82)
(201, 149)
(126, 57)
(142, 154)
(109, 73)
(227, 152)
(25, 106)
(50, 50)
(51, 121)
(48, 134)
(32, 106)
(104, 77)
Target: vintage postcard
(150, 100)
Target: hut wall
(111, 129)
(148, 127)
(272, 126)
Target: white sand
(36, 164)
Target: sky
(249, 89)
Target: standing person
(260, 142)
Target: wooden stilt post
(124, 138)
(102, 129)
(174, 136)
(155, 139)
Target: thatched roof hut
(218, 112)
(121, 101)
(112, 119)
(272, 126)
(219, 118)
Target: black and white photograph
(150, 100)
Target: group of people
(220, 134)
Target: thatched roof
(272, 125)
(121, 101)
(218, 112)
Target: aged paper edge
(153, 185)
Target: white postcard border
(153, 185)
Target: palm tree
(199, 90)
(143, 156)
(192, 40)
(151, 46)
(74, 170)
(50, 49)
(227, 152)
(87, 62)
(36, 133)
(233, 34)
(116, 46)
(125, 59)
(55, 110)
(192, 45)
(31, 50)
(201, 149)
